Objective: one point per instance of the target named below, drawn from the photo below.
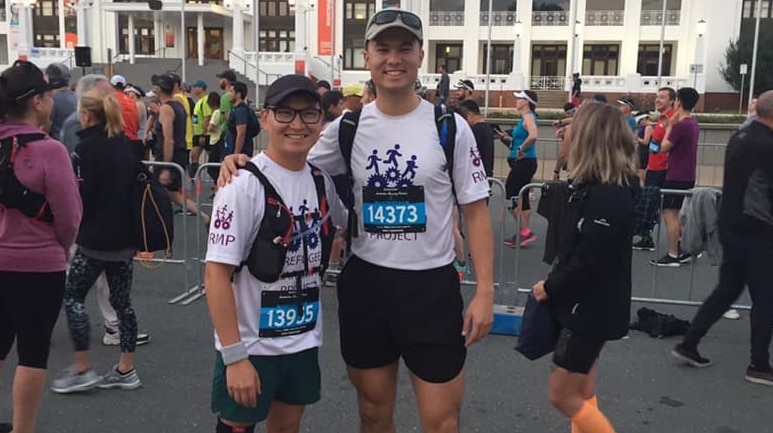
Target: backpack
(659, 325)
(153, 214)
(446, 127)
(267, 255)
(14, 195)
(253, 124)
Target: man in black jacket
(746, 233)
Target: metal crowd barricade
(653, 297)
(184, 261)
(200, 290)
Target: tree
(739, 52)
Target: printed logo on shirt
(221, 239)
(307, 223)
(391, 171)
(223, 218)
(479, 175)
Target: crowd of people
(371, 169)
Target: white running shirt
(238, 211)
(399, 163)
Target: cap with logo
(118, 81)
(24, 80)
(394, 19)
(228, 74)
(58, 75)
(288, 85)
(353, 89)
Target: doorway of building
(213, 43)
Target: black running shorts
(576, 353)
(385, 314)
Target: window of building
(356, 15)
(501, 58)
(448, 5)
(647, 64)
(47, 9)
(45, 24)
(499, 5)
(449, 55)
(600, 59)
(548, 60)
(4, 49)
(277, 41)
(144, 36)
(3, 17)
(550, 5)
(605, 5)
(657, 5)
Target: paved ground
(641, 388)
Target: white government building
(614, 44)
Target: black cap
(22, 81)
(165, 82)
(228, 74)
(465, 84)
(176, 79)
(323, 83)
(287, 85)
(58, 75)
(569, 107)
(627, 101)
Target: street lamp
(701, 28)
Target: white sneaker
(113, 338)
(731, 314)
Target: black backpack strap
(347, 129)
(270, 190)
(327, 231)
(24, 139)
(445, 121)
(35, 205)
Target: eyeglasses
(390, 15)
(308, 116)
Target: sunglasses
(390, 15)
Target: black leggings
(84, 271)
(521, 173)
(29, 307)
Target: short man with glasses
(399, 294)
(267, 364)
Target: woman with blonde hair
(106, 167)
(589, 288)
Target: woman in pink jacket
(40, 211)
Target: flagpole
(488, 53)
(662, 41)
(754, 51)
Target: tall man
(399, 295)
(201, 115)
(746, 233)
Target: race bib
(286, 313)
(394, 210)
(654, 146)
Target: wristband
(234, 353)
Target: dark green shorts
(291, 379)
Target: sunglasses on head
(390, 15)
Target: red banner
(325, 14)
(300, 67)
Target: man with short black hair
(746, 233)
(323, 87)
(484, 135)
(443, 86)
(226, 79)
(681, 146)
(236, 140)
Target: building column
(238, 25)
(301, 41)
(158, 32)
(132, 48)
(200, 38)
(82, 24)
(629, 51)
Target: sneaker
(759, 377)
(731, 315)
(70, 381)
(667, 261)
(113, 338)
(115, 379)
(690, 357)
(684, 258)
(644, 244)
(528, 238)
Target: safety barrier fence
(655, 296)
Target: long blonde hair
(103, 105)
(602, 146)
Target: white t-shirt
(405, 152)
(238, 211)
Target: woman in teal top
(523, 164)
